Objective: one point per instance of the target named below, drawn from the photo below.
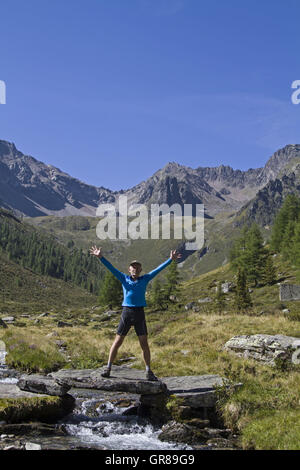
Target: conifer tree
(110, 291)
(242, 296)
(249, 253)
(289, 212)
(172, 280)
(295, 251)
(269, 275)
(157, 295)
(255, 255)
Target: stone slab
(8, 390)
(122, 379)
(197, 391)
(42, 384)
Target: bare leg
(146, 350)
(114, 348)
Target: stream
(98, 423)
(110, 428)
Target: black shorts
(132, 316)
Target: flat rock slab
(8, 390)
(264, 348)
(42, 384)
(122, 379)
(197, 391)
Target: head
(135, 269)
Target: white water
(114, 431)
(110, 429)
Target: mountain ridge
(33, 188)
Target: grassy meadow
(265, 411)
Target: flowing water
(105, 426)
(113, 430)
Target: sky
(110, 91)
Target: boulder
(226, 287)
(190, 305)
(204, 300)
(181, 432)
(62, 324)
(8, 319)
(3, 324)
(289, 292)
(265, 348)
(42, 384)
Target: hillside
(42, 253)
(24, 292)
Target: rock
(9, 373)
(205, 299)
(226, 287)
(3, 324)
(61, 343)
(12, 447)
(181, 432)
(221, 443)
(264, 348)
(62, 324)
(42, 384)
(111, 313)
(33, 429)
(53, 333)
(32, 446)
(185, 351)
(289, 292)
(8, 319)
(123, 379)
(190, 305)
(197, 391)
(198, 422)
(173, 298)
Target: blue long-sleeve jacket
(134, 291)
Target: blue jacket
(134, 291)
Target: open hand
(96, 251)
(174, 255)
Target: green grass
(265, 410)
(277, 430)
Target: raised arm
(173, 256)
(97, 252)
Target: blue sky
(111, 90)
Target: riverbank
(264, 412)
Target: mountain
(33, 188)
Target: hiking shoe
(106, 372)
(151, 376)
